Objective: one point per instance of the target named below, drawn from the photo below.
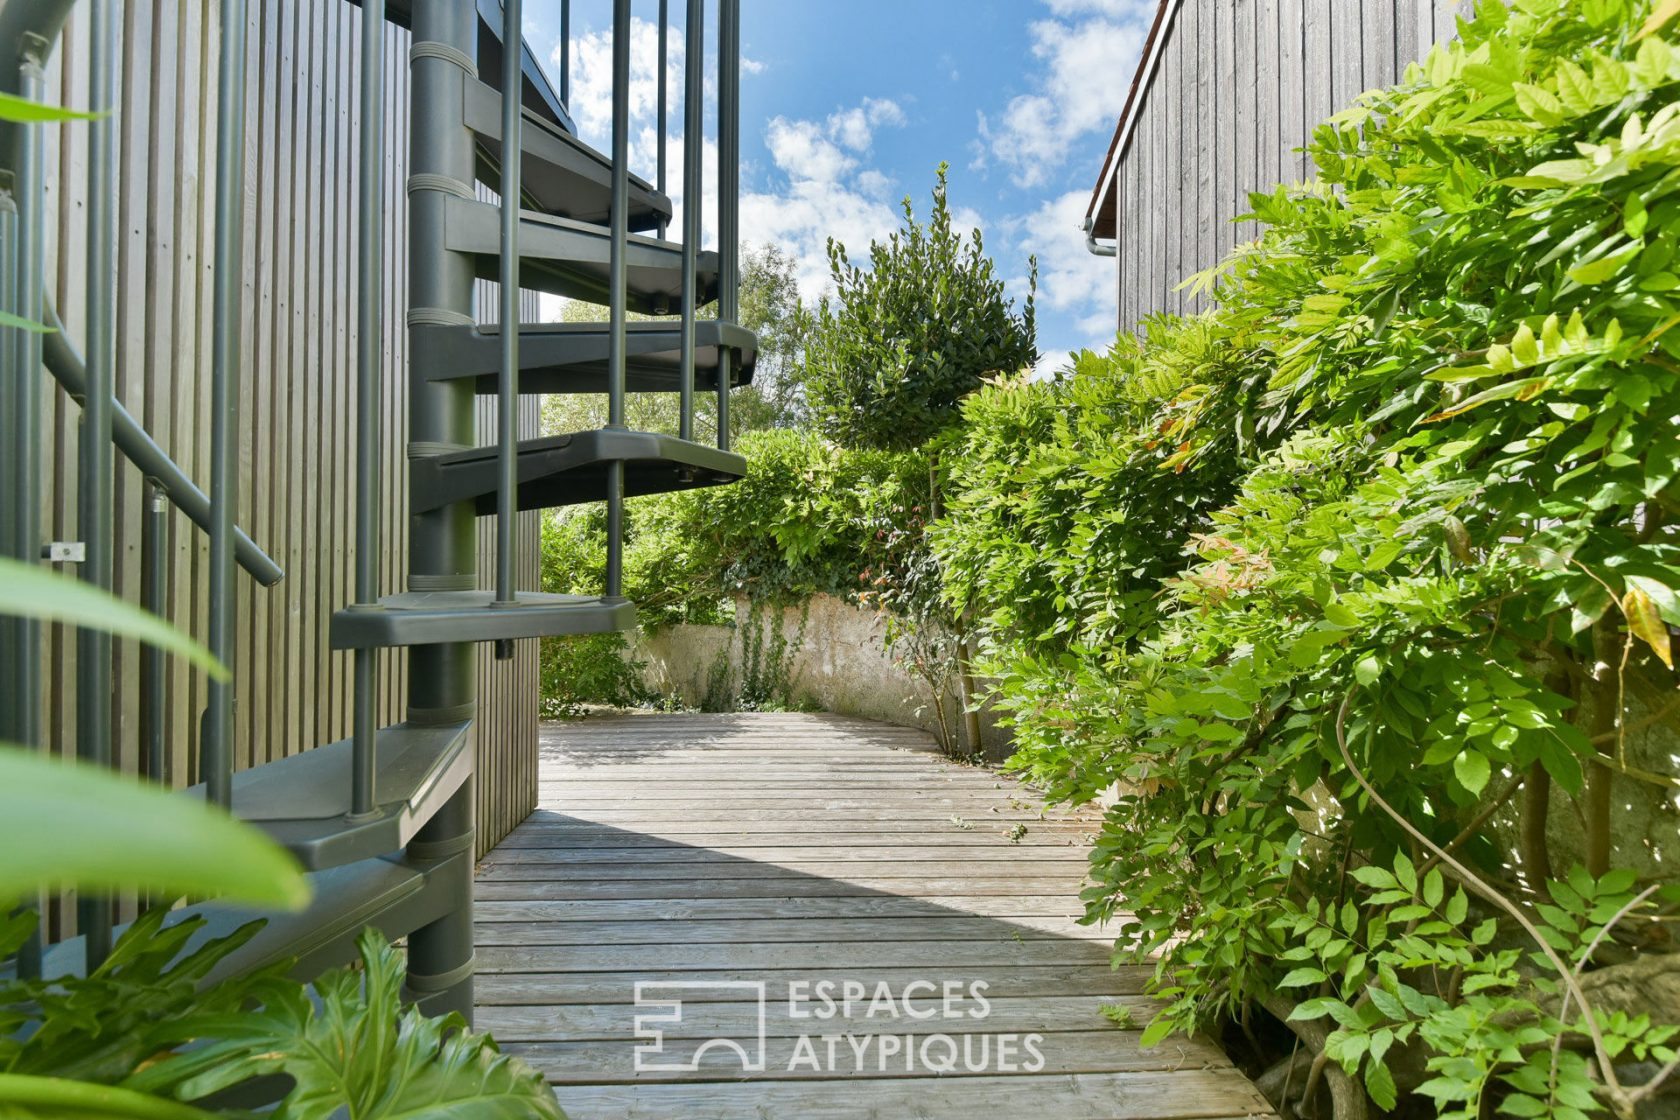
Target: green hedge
(1378, 560)
(808, 518)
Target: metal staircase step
(560, 174)
(572, 357)
(419, 618)
(388, 893)
(303, 802)
(571, 470)
(568, 258)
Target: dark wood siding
(297, 409)
(1236, 89)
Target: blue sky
(848, 107)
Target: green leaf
(353, 1045)
(1367, 669)
(1301, 978)
(1373, 876)
(31, 591)
(1379, 1083)
(46, 1098)
(1159, 1028)
(24, 111)
(1472, 770)
(63, 824)
(1605, 267)
(1404, 872)
(18, 322)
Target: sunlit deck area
(759, 869)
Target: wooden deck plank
(746, 865)
(738, 1020)
(1182, 1095)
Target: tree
(887, 366)
(890, 359)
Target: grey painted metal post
(153, 666)
(25, 433)
(694, 201)
(10, 375)
(25, 423)
(617, 287)
(729, 196)
(442, 543)
(507, 398)
(370, 347)
(661, 112)
(94, 513)
(216, 756)
(566, 53)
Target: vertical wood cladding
(1237, 88)
(296, 377)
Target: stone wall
(840, 665)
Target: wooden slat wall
(297, 409)
(1238, 88)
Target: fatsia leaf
(1645, 623)
(353, 1051)
(66, 824)
(55, 1098)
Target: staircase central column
(442, 543)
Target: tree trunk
(965, 647)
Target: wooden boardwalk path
(748, 865)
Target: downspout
(1095, 247)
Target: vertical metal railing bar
(729, 197)
(566, 54)
(25, 434)
(216, 754)
(97, 461)
(507, 397)
(370, 349)
(662, 80)
(153, 598)
(618, 288)
(694, 200)
(10, 372)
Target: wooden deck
(740, 862)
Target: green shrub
(888, 362)
(1357, 580)
(806, 519)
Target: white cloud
(825, 189)
(591, 109)
(1086, 55)
(1071, 282)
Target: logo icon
(665, 998)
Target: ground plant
(1359, 589)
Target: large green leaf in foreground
(65, 824)
(31, 591)
(353, 1045)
